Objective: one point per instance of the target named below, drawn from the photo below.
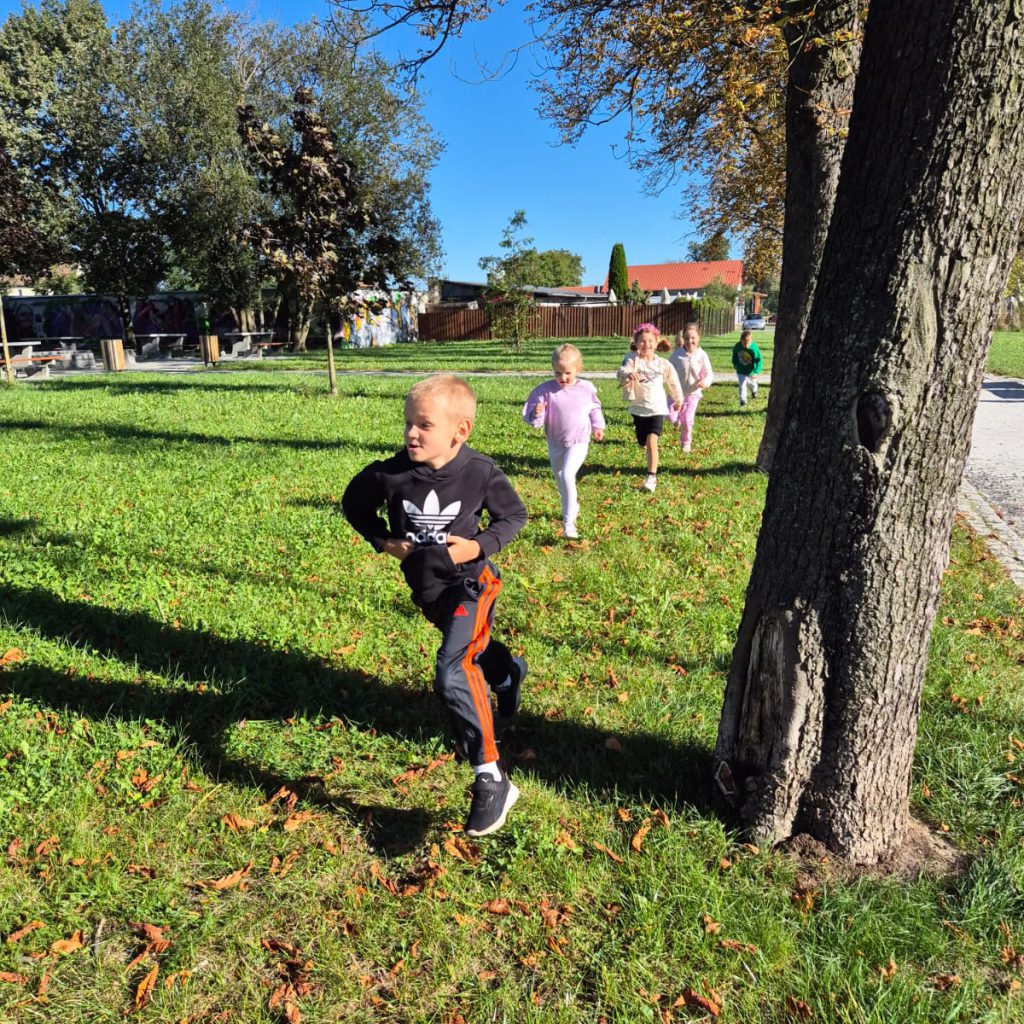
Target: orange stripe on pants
(474, 676)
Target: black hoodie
(425, 505)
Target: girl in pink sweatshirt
(569, 411)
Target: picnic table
(26, 357)
(154, 344)
(237, 343)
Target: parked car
(754, 323)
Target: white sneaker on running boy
(651, 482)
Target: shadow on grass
(12, 527)
(246, 679)
(122, 432)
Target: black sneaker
(492, 800)
(509, 695)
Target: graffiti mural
(167, 314)
(395, 323)
(62, 316)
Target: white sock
(491, 768)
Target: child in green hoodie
(746, 360)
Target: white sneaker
(569, 531)
(686, 447)
(651, 482)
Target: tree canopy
(127, 132)
(548, 268)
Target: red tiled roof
(684, 277)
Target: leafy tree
(714, 247)
(326, 238)
(618, 272)
(23, 251)
(635, 295)
(820, 713)
(718, 295)
(508, 296)
(550, 268)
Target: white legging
(565, 464)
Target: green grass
(1006, 356)
(190, 626)
(431, 356)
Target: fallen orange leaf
(711, 926)
(692, 998)
(228, 881)
(797, 1008)
(13, 979)
(68, 945)
(662, 819)
(610, 854)
(496, 906)
(144, 992)
(944, 981)
(624, 814)
(21, 932)
(463, 850)
(237, 823)
(46, 847)
(637, 842)
(12, 655)
(294, 821)
(888, 972)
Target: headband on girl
(645, 327)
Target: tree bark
(819, 95)
(820, 715)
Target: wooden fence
(575, 321)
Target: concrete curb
(1005, 545)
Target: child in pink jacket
(569, 411)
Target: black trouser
(469, 661)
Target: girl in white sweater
(693, 367)
(644, 377)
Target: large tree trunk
(819, 95)
(820, 715)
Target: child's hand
(462, 549)
(400, 549)
(538, 409)
(677, 406)
(598, 435)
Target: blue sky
(501, 157)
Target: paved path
(992, 496)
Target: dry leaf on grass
(889, 971)
(463, 850)
(20, 933)
(497, 906)
(637, 842)
(661, 818)
(610, 854)
(141, 869)
(65, 946)
(692, 998)
(294, 821)
(798, 1008)
(47, 846)
(12, 655)
(941, 982)
(623, 814)
(711, 926)
(237, 823)
(228, 881)
(144, 991)
(13, 979)
(566, 840)
(739, 947)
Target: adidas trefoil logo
(431, 520)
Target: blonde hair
(457, 396)
(568, 354)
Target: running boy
(746, 361)
(434, 491)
